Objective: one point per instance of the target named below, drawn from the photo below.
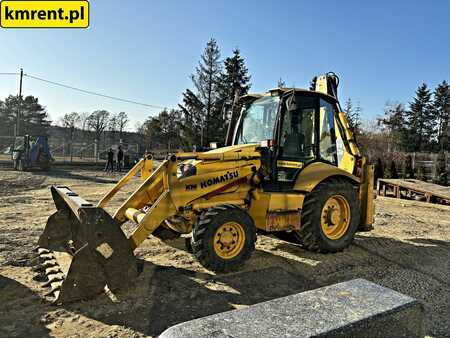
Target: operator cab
(301, 126)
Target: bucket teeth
(53, 270)
(82, 250)
(40, 277)
(53, 279)
(38, 268)
(42, 250)
(38, 260)
(49, 263)
(48, 271)
(45, 265)
(55, 290)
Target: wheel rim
(335, 217)
(229, 240)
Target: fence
(65, 152)
(424, 160)
(91, 152)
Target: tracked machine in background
(290, 166)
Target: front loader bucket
(82, 250)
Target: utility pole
(19, 104)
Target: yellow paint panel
(147, 167)
(44, 14)
(289, 164)
(285, 202)
(283, 221)
(316, 172)
(258, 210)
(366, 196)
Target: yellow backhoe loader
(290, 166)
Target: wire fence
(78, 152)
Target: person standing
(119, 159)
(110, 163)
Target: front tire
(223, 238)
(330, 217)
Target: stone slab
(356, 308)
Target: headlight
(186, 170)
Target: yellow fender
(316, 172)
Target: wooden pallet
(414, 189)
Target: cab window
(297, 138)
(327, 138)
(297, 133)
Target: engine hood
(192, 167)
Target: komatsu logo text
(219, 179)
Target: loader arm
(144, 165)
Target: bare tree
(70, 121)
(139, 127)
(122, 122)
(82, 123)
(97, 122)
(113, 126)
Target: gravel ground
(409, 251)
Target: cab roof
(280, 91)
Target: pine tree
(348, 107)
(355, 119)
(235, 77)
(216, 85)
(420, 121)
(353, 115)
(234, 80)
(206, 80)
(33, 116)
(441, 106)
(281, 83)
(8, 113)
(192, 111)
(394, 121)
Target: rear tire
(223, 238)
(330, 217)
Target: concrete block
(356, 308)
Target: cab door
(306, 134)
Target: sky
(145, 50)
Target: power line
(9, 73)
(93, 93)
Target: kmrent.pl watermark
(44, 14)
